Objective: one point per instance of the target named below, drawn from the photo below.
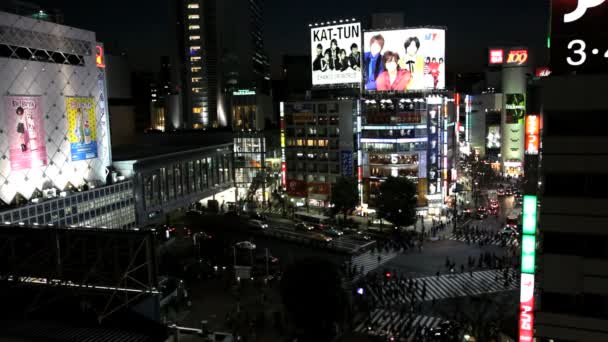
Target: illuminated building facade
(410, 136)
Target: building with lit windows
(196, 25)
(319, 146)
(410, 136)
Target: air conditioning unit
(49, 193)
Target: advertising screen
(82, 127)
(336, 54)
(404, 60)
(578, 42)
(27, 147)
(515, 108)
(493, 139)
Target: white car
(257, 224)
(246, 245)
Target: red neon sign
(518, 57)
(99, 57)
(532, 134)
(497, 56)
(284, 174)
(543, 72)
(526, 308)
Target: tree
(397, 201)
(344, 195)
(314, 298)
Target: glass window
(195, 69)
(194, 37)
(193, 27)
(195, 58)
(193, 16)
(194, 6)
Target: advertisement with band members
(515, 108)
(336, 54)
(27, 147)
(404, 60)
(82, 127)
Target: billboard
(27, 148)
(346, 160)
(336, 54)
(404, 60)
(82, 127)
(576, 43)
(515, 108)
(532, 134)
(493, 139)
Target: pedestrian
(461, 268)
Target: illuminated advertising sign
(528, 266)
(404, 60)
(336, 54)
(99, 57)
(577, 41)
(530, 207)
(296, 188)
(26, 139)
(517, 57)
(515, 108)
(346, 160)
(283, 157)
(526, 308)
(532, 134)
(496, 56)
(493, 138)
(82, 132)
(542, 72)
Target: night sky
(140, 27)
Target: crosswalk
(394, 292)
(368, 261)
(512, 241)
(392, 324)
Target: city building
(572, 289)
(120, 99)
(196, 25)
(481, 115)
(214, 57)
(318, 141)
(32, 10)
(410, 136)
(165, 100)
(56, 149)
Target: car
(246, 245)
(321, 237)
(304, 226)
(481, 213)
(361, 236)
(500, 192)
(509, 231)
(493, 211)
(494, 204)
(257, 224)
(444, 331)
(257, 216)
(508, 192)
(333, 232)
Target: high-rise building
(573, 266)
(197, 59)
(219, 49)
(32, 10)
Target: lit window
(196, 79)
(194, 37)
(193, 16)
(193, 6)
(194, 49)
(197, 110)
(194, 27)
(195, 58)
(196, 90)
(195, 69)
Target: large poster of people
(404, 60)
(25, 127)
(336, 54)
(82, 132)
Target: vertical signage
(532, 134)
(346, 160)
(283, 158)
(528, 265)
(496, 56)
(99, 57)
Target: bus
(319, 221)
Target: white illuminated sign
(581, 9)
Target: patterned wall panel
(54, 81)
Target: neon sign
(526, 305)
(532, 134)
(496, 56)
(528, 265)
(518, 57)
(99, 57)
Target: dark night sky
(140, 27)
